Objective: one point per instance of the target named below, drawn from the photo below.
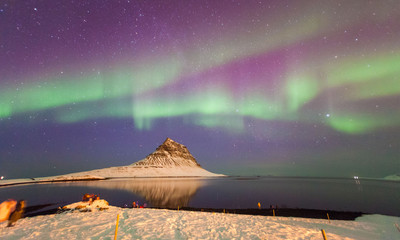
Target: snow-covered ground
(168, 224)
(148, 171)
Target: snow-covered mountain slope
(170, 159)
(147, 171)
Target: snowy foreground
(168, 224)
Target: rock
(85, 206)
(170, 153)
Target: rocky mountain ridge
(169, 160)
(170, 153)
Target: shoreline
(279, 212)
(21, 181)
(33, 211)
(56, 179)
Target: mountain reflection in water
(159, 192)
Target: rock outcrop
(170, 153)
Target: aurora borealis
(298, 88)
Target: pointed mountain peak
(170, 153)
(169, 141)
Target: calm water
(368, 196)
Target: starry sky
(277, 87)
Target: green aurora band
(348, 80)
(367, 81)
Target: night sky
(283, 88)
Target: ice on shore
(168, 224)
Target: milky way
(299, 88)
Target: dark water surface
(368, 196)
